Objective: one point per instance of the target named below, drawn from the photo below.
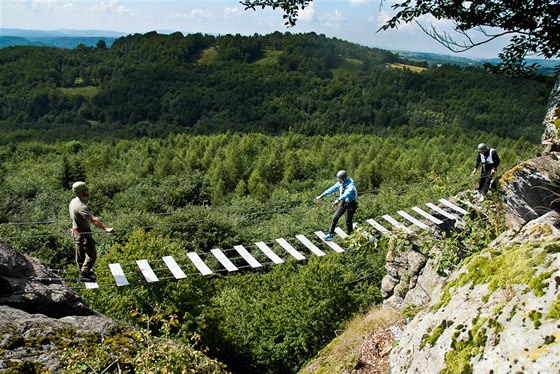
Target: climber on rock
(489, 160)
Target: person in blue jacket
(345, 203)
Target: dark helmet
(342, 174)
(482, 146)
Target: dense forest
(190, 143)
(153, 85)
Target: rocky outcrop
(531, 189)
(552, 118)
(34, 342)
(498, 313)
(399, 286)
(28, 285)
(46, 327)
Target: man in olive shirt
(81, 216)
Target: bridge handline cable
(179, 211)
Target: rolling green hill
(143, 85)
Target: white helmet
(78, 187)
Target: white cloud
(16, 5)
(383, 17)
(111, 7)
(358, 2)
(332, 19)
(308, 13)
(44, 4)
(231, 12)
(202, 13)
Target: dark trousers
(484, 183)
(485, 178)
(345, 207)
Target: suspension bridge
(218, 261)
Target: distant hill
(69, 38)
(56, 38)
(547, 66)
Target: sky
(356, 21)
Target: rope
(206, 209)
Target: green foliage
(431, 337)
(554, 312)
(455, 245)
(516, 264)
(137, 352)
(287, 314)
(156, 85)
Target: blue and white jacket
(348, 191)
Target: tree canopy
(154, 85)
(534, 25)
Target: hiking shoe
(481, 198)
(87, 276)
(328, 237)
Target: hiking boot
(87, 276)
(481, 198)
(328, 237)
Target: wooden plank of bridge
(340, 232)
(335, 247)
(408, 217)
(91, 285)
(442, 212)
(247, 256)
(396, 223)
(456, 208)
(118, 274)
(377, 226)
(270, 254)
(312, 247)
(147, 271)
(174, 267)
(291, 250)
(427, 215)
(224, 260)
(200, 265)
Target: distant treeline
(154, 85)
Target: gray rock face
(403, 266)
(28, 285)
(39, 315)
(498, 313)
(37, 339)
(553, 114)
(531, 190)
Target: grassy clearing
(88, 91)
(413, 68)
(209, 56)
(270, 57)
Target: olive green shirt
(79, 213)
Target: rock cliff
(499, 311)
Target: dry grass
(413, 68)
(344, 353)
